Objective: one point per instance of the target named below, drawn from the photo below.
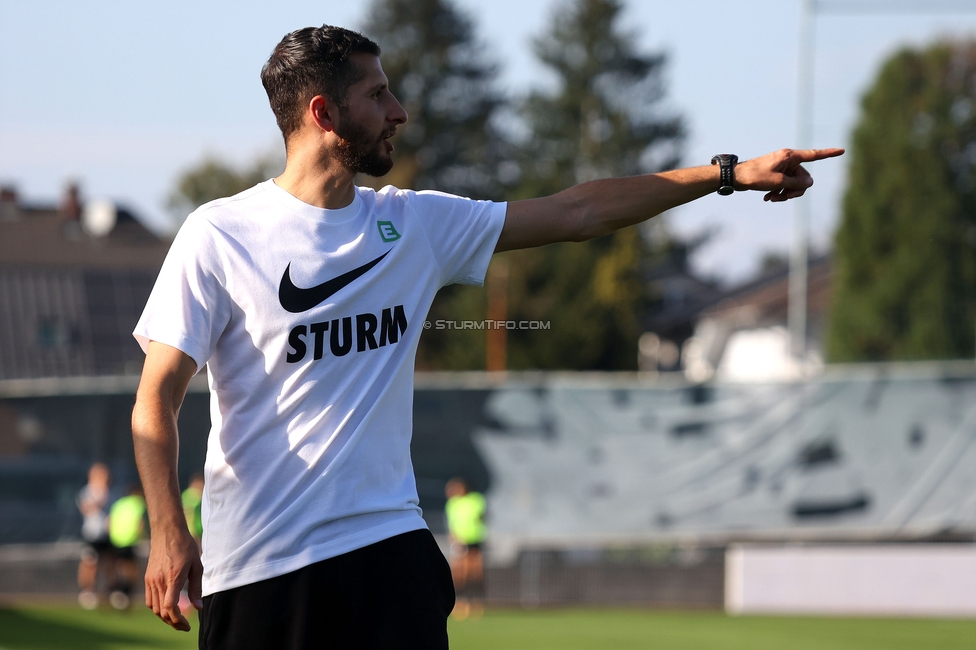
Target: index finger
(809, 155)
(171, 607)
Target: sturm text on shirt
(389, 326)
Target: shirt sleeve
(462, 233)
(187, 308)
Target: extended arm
(600, 207)
(173, 555)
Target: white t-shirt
(308, 321)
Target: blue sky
(124, 95)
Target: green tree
(444, 78)
(213, 178)
(604, 119)
(446, 81)
(905, 252)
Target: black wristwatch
(726, 163)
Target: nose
(397, 115)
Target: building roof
(69, 300)
(767, 297)
(38, 236)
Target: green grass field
(49, 628)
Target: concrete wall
(539, 578)
(886, 580)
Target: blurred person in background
(126, 527)
(465, 512)
(192, 498)
(94, 501)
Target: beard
(359, 151)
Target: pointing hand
(780, 173)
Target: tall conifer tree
(446, 81)
(905, 261)
(604, 119)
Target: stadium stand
(601, 488)
(881, 452)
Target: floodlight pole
(796, 317)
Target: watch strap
(726, 163)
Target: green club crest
(387, 232)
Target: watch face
(725, 190)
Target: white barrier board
(887, 580)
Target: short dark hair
(308, 62)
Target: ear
(323, 112)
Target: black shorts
(96, 551)
(395, 594)
(124, 552)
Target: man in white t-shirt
(304, 297)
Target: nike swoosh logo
(297, 300)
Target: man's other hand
(173, 560)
